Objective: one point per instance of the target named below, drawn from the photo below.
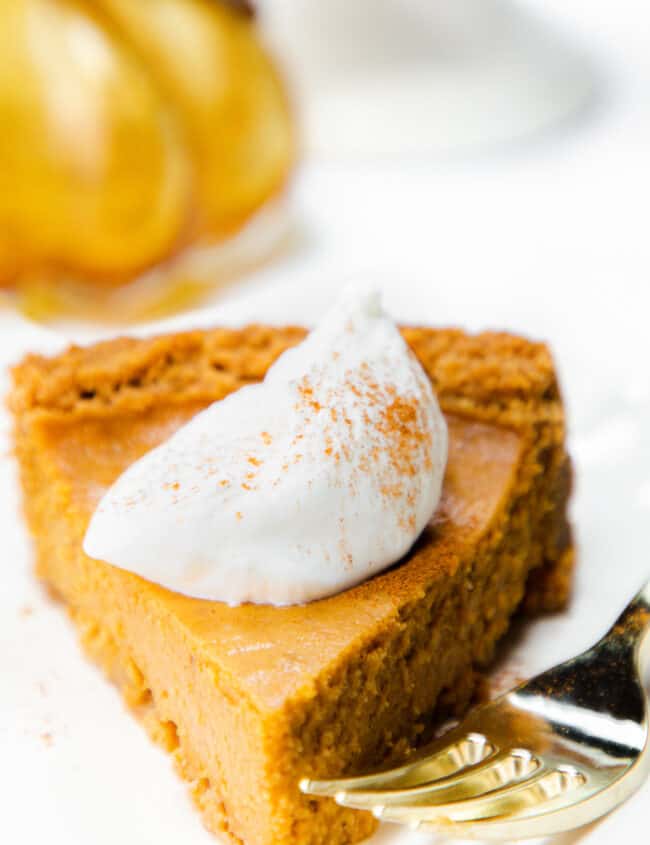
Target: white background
(549, 237)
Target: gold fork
(551, 755)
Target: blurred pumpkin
(130, 129)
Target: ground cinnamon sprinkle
(307, 392)
(372, 427)
(404, 436)
(360, 434)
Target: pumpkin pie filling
(251, 698)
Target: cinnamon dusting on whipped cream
(295, 488)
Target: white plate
(77, 768)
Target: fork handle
(633, 624)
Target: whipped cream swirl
(295, 488)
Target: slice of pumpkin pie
(252, 697)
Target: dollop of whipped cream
(295, 488)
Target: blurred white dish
(400, 77)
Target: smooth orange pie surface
(249, 699)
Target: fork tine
(539, 792)
(497, 770)
(496, 802)
(440, 760)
